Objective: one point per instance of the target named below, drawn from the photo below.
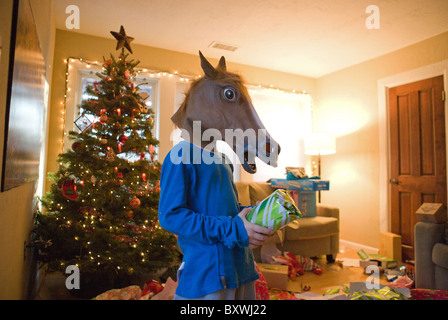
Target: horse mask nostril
(268, 148)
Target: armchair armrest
(426, 236)
(327, 211)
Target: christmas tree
(101, 213)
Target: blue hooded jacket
(199, 203)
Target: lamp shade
(320, 143)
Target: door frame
(425, 72)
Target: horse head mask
(220, 103)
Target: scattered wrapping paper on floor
(274, 212)
(429, 294)
(359, 291)
(385, 293)
(261, 286)
(297, 265)
(168, 291)
(277, 294)
(402, 282)
(128, 293)
(134, 292)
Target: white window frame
(76, 71)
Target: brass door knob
(394, 181)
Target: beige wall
(18, 204)
(346, 102)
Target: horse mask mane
(220, 104)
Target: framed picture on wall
(24, 101)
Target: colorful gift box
(376, 259)
(300, 184)
(276, 275)
(305, 202)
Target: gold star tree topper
(122, 39)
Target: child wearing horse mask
(199, 203)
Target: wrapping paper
(385, 293)
(261, 286)
(133, 292)
(274, 212)
(429, 294)
(128, 293)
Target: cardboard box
(300, 184)
(276, 275)
(376, 259)
(305, 202)
(390, 245)
(321, 185)
(431, 212)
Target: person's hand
(257, 234)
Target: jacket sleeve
(175, 215)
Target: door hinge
(443, 95)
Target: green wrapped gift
(385, 293)
(274, 212)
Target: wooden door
(417, 154)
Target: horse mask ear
(209, 70)
(222, 64)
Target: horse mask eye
(229, 94)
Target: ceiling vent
(222, 46)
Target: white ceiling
(305, 37)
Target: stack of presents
(302, 189)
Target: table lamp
(318, 144)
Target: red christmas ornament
(69, 190)
(122, 138)
(76, 145)
(135, 203)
